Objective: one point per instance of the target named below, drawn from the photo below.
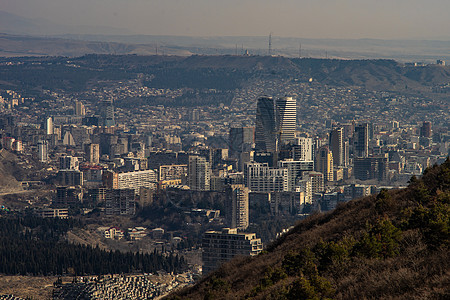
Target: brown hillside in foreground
(393, 245)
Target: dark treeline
(33, 246)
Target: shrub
(330, 253)
(303, 262)
(380, 241)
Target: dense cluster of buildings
(292, 154)
(121, 287)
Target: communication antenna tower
(270, 44)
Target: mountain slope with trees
(391, 245)
(35, 246)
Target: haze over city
(414, 19)
(212, 149)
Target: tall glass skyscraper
(361, 140)
(265, 134)
(337, 144)
(276, 123)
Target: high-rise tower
(92, 153)
(325, 163)
(361, 140)
(199, 173)
(42, 150)
(80, 110)
(275, 123)
(265, 134)
(425, 130)
(286, 119)
(241, 140)
(237, 206)
(48, 125)
(337, 146)
(108, 113)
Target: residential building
(67, 196)
(70, 177)
(221, 246)
(317, 181)
(236, 206)
(259, 177)
(130, 180)
(120, 202)
(324, 164)
(355, 191)
(304, 188)
(295, 170)
(48, 212)
(374, 167)
(303, 150)
(199, 173)
(42, 151)
(172, 172)
(92, 153)
(69, 163)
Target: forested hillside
(35, 246)
(391, 245)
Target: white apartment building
(303, 151)
(199, 173)
(134, 180)
(295, 170)
(259, 177)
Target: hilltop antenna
(300, 50)
(156, 48)
(270, 44)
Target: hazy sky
(384, 19)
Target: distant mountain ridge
(222, 72)
(18, 45)
(42, 29)
(372, 74)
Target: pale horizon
(320, 19)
